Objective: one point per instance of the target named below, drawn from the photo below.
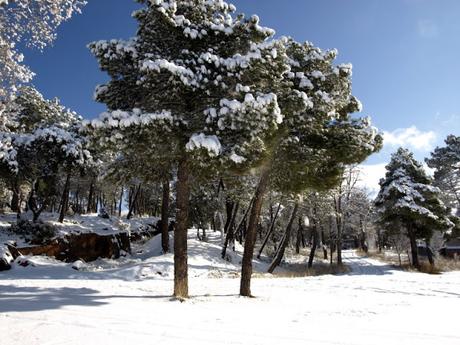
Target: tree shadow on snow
(26, 299)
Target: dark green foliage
(34, 233)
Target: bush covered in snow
(35, 233)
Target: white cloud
(370, 175)
(410, 137)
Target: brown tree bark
(133, 203)
(429, 253)
(314, 244)
(165, 218)
(413, 247)
(229, 205)
(251, 233)
(180, 231)
(300, 238)
(89, 207)
(287, 235)
(65, 199)
(15, 202)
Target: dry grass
(301, 270)
(442, 264)
(447, 265)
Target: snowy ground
(128, 302)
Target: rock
(4, 265)
(85, 246)
(78, 265)
(150, 231)
(5, 258)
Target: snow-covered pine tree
(40, 140)
(446, 162)
(407, 197)
(197, 83)
(317, 137)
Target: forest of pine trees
(214, 122)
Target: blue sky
(404, 53)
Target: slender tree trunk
(339, 223)
(314, 245)
(165, 217)
(270, 231)
(133, 203)
(65, 199)
(230, 233)
(283, 244)
(180, 232)
(89, 207)
(339, 239)
(15, 202)
(331, 242)
(120, 203)
(229, 205)
(323, 243)
(413, 248)
(299, 236)
(241, 227)
(429, 253)
(251, 233)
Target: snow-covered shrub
(35, 233)
(103, 213)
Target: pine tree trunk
(284, 243)
(413, 248)
(323, 243)
(299, 236)
(65, 199)
(15, 203)
(165, 218)
(229, 205)
(133, 203)
(89, 207)
(120, 203)
(314, 245)
(230, 233)
(429, 253)
(339, 240)
(251, 233)
(180, 232)
(270, 231)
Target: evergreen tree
(446, 162)
(40, 140)
(196, 84)
(407, 199)
(317, 137)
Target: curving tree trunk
(282, 247)
(180, 231)
(270, 231)
(251, 233)
(230, 232)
